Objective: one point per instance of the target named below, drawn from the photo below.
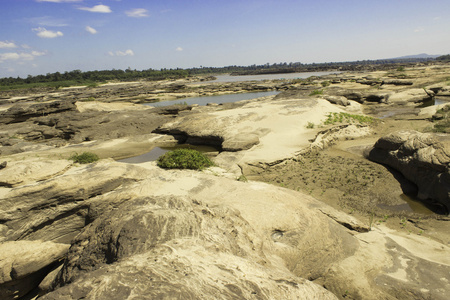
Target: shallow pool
(214, 99)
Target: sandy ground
(377, 195)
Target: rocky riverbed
(336, 188)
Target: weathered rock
(57, 209)
(398, 82)
(22, 112)
(422, 158)
(3, 165)
(339, 100)
(19, 173)
(23, 264)
(181, 246)
(411, 95)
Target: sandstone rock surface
(411, 96)
(23, 264)
(422, 158)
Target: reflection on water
(413, 204)
(215, 99)
(156, 152)
(436, 101)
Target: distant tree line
(80, 77)
(443, 58)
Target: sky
(46, 36)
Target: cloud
(91, 30)
(15, 56)
(128, 52)
(179, 49)
(7, 44)
(47, 34)
(48, 21)
(419, 29)
(137, 13)
(97, 9)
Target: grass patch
(325, 83)
(184, 159)
(342, 117)
(310, 125)
(441, 120)
(316, 92)
(84, 158)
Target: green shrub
(333, 118)
(184, 159)
(84, 158)
(316, 92)
(310, 125)
(325, 83)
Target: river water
(214, 99)
(243, 96)
(284, 76)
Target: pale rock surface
(269, 129)
(23, 172)
(422, 158)
(411, 96)
(199, 235)
(23, 264)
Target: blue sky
(44, 36)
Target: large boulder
(411, 96)
(23, 265)
(57, 209)
(175, 247)
(339, 100)
(422, 158)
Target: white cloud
(419, 29)
(137, 13)
(97, 9)
(179, 49)
(128, 52)
(91, 30)
(47, 34)
(20, 56)
(7, 44)
(9, 56)
(48, 21)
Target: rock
(240, 142)
(398, 82)
(22, 112)
(23, 264)
(422, 158)
(339, 100)
(186, 248)
(411, 95)
(19, 173)
(380, 97)
(328, 137)
(57, 209)
(3, 165)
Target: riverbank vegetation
(91, 78)
(184, 159)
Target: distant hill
(418, 56)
